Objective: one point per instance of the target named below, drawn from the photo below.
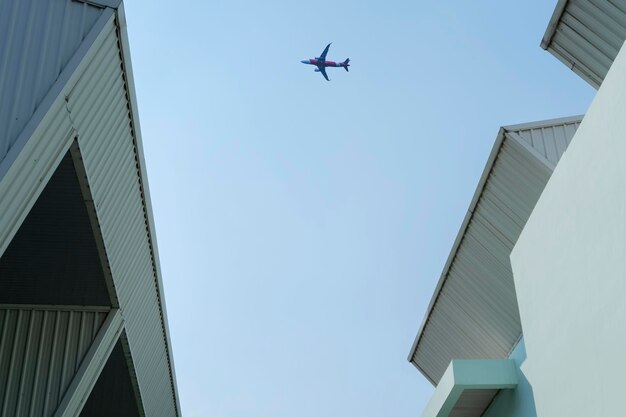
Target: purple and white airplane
(321, 63)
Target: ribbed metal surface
(549, 140)
(99, 106)
(20, 193)
(37, 39)
(40, 351)
(587, 35)
(474, 313)
(100, 112)
(473, 402)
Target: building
(528, 316)
(83, 325)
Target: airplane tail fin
(346, 64)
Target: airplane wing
(323, 56)
(323, 71)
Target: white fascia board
(145, 189)
(554, 22)
(544, 123)
(486, 374)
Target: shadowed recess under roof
(53, 258)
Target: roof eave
(468, 216)
(544, 123)
(475, 375)
(113, 4)
(506, 132)
(134, 112)
(554, 22)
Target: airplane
(321, 63)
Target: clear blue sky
(302, 224)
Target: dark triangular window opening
(113, 394)
(55, 258)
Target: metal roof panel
(586, 35)
(473, 313)
(37, 40)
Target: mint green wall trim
(519, 402)
(569, 267)
(469, 374)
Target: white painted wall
(569, 267)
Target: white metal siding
(99, 115)
(100, 112)
(40, 351)
(20, 192)
(474, 313)
(550, 141)
(98, 100)
(37, 39)
(587, 36)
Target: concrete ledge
(487, 375)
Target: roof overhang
(554, 22)
(468, 387)
(473, 313)
(586, 36)
(114, 4)
(145, 189)
(91, 108)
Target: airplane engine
(317, 70)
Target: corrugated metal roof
(40, 351)
(101, 111)
(473, 313)
(586, 35)
(546, 140)
(37, 40)
(99, 108)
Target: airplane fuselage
(319, 63)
